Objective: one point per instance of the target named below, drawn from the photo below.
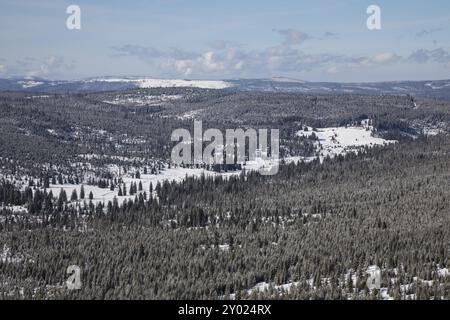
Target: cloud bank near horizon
(313, 41)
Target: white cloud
(382, 58)
(237, 62)
(47, 66)
(227, 59)
(332, 70)
(293, 37)
(202, 63)
(51, 66)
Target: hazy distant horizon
(206, 79)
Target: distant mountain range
(436, 89)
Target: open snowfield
(105, 194)
(167, 83)
(341, 140)
(177, 174)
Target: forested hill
(312, 228)
(86, 179)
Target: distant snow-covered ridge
(167, 83)
(429, 88)
(30, 84)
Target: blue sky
(319, 40)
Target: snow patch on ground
(222, 247)
(432, 131)
(52, 132)
(435, 87)
(443, 272)
(16, 209)
(7, 257)
(189, 115)
(264, 286)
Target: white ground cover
(169, 83)
(341, 140)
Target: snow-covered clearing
(341, 140)
(105, 194)
(177, 174)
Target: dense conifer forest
(309, 232)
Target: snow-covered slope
(166, 83)
(437, 89)
(340, 140)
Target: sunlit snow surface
(30, 84)
(340, 140)
(167, 83)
